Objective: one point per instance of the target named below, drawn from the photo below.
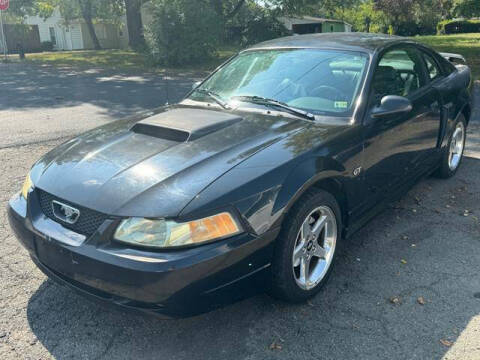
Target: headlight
(164, 233)
(27, 185)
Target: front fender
(303, 176)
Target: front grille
(88, 222)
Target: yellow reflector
(210, 228)
(213, 227)
(27, 185)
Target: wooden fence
(22, 36)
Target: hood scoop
(183, 125)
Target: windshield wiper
(215, 97)
(272, 102)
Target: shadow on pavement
(118, 93)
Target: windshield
(318, 81)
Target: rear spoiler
(454, 58)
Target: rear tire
(453, 153)
(306, 247)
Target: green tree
(136, 38)
(21, 8)
(365, 17)
(253, 24)
(182, 31)
(89, 10)
(411, 17)
(466, 8)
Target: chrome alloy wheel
(456, 146)
(314, 247)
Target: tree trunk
(136, 40)
(93, 35)
(86, 8)
(236, 9)
(368, 21)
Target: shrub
(458, 26)
(254, 24)
(182, 32)
(262, 28)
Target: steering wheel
(329, 92)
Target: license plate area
(55, 257)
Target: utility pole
(4, 40)
(4, 4)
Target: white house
(74, 35)
(310, 24)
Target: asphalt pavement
(406, 286)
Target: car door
(441, 105)
(395, 145)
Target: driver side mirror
(392, 105)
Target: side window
(399, 72)
(432, 67)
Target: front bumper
(173, 284)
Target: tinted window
(432, 67)
(320, 81)
(399, 72)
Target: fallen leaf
(395, 300)
(446, 342)
(404, 237)
(403, 261)
(421, 300)
(447, 206)
(275, 346)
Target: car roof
(366, 42)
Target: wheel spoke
(304, 269)
(306, 230)
(320, 252)
(319, 225)
(459, 145)
(297, 254)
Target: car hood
(154, 165)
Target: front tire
(306, 247)
(453, 154)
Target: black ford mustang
(252, 180)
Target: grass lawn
(466, 44)
(115, 59)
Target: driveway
(407, 286)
